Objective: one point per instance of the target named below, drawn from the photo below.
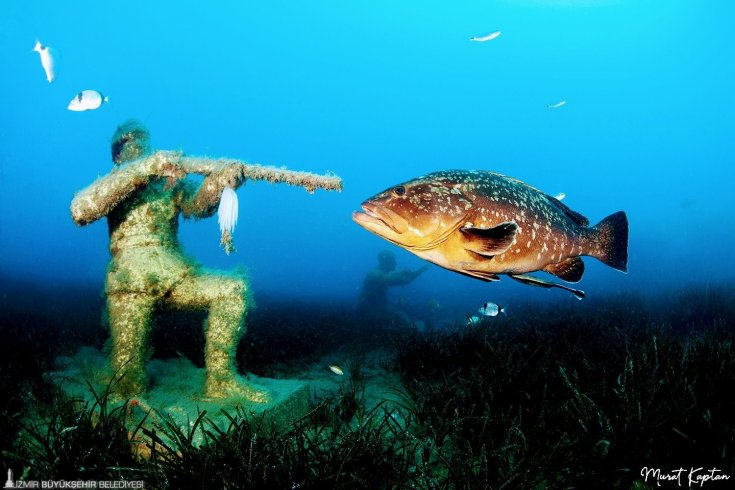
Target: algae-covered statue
(142, 199)
(373, 300)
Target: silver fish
(491, 309)
(473, 320)
(488, 37)
(47, 60)
(87, 100)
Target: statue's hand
(230, 175)
(416, 273)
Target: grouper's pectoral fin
(570, 270)
(535, 281)
(490, 241)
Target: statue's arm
(403, 277)
(104, 194)
(225, 172)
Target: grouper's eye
(399, 191)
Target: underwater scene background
(553, 393)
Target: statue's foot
(127, 387)
(234, 388)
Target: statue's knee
(239, 287)
(235, 290)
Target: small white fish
(473, 320)
(489, 37)
(336, 370)
(557, 105)
(434, 305)
(560, 196)
(87, 100)
(227, 211)
(47, 60)
(491, 309)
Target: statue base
(175, 394)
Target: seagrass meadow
(367, 244)
(550, 397)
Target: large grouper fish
(482, 224)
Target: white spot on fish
(414, 230)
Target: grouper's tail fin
(612, 238)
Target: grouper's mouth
(376, 216)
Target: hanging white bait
(227, 218)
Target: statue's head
(130, 142)
(386, 261)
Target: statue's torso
(147, 218)
(374, 291)
(146, 255)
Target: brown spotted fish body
(482, 224)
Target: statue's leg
(226, 299)
(129, 317)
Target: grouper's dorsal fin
(570, 270)
(573, 215)
(490, 241)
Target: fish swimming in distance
(473, 321)
(87, 100)
(560, 196)
(491, 309)
(47, 60)
(336, 370)
(557, 105)
(483, 224)
(434, 305)
(488, 37)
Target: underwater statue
(142, 199)
(373, 300)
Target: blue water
(379, 92)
